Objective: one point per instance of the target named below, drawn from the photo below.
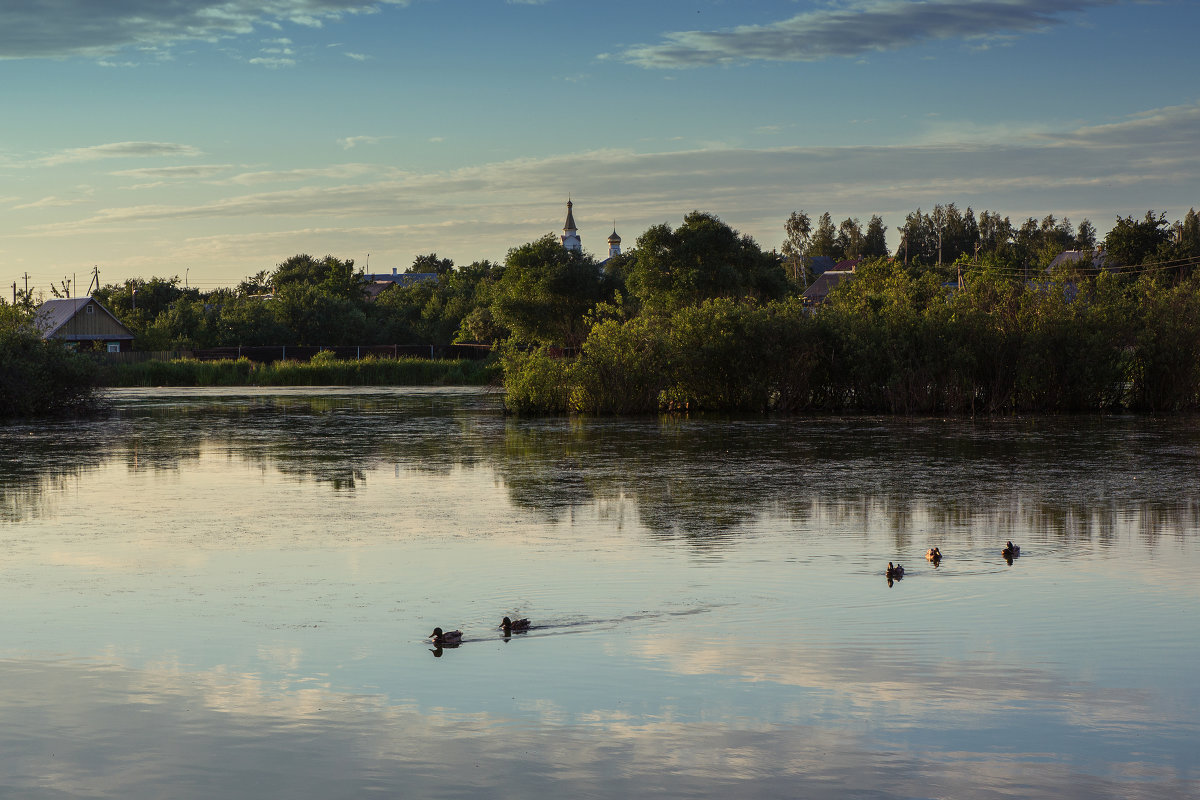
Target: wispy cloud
(855, 28)
(59, 28)
(1147, 160)
(84, 194)
(351, 142)
(119, 150)
(174, 173)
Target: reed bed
(318, 372)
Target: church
(571, 241)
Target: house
(1079, 258)
(819, 265)
(377, 282)
(82, 323)
(820, 288)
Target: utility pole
(95, 279)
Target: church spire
(614, 243)
(570, 237)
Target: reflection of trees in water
(702, 480)
(39, 461)
(1069, 480)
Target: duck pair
(509, 626)
(933, 554)
(1011, 550)
(895, 571)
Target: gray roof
(819, 264)
(53, 314)
(401, 278)
(820, 288)
(1072, 256)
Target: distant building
(377, 282)
(614, 243)
(570, 236)
(1079, 258)
(82, 323)
(820, 288)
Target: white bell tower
(570, 236)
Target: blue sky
(214, 139)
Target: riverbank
(317, 372)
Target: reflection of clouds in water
(903, 693)
(216, 734)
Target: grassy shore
(319, 372)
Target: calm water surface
(229, 593)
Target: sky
(212, 139)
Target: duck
(933, 554)
(1011, 550)
(510, 625)
(441, 638)
(895, 571)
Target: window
(91, 308)
(114, 347)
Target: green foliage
(545, 292)
(622, 369)
(536, 381)
(1132, 242)
(324, 369)
(703, 258)
(330, 275)
(40, 378)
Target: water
(229, 594)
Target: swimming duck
(441, 639)
(510, 625)
(1011, 550)
(896, 572)
(933, 554)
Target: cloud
(273, 62)
(62, 28)
(119, 150)
(351, 142)
(1123, 166)
(358, 56)
(85, 194)
(335, 172)
(174, 173)
(857, 28)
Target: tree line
(709, 290)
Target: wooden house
(83, 323)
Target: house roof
(820, 288)
(1072, 256)
(819, 264)
(52, 315)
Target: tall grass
(368, 371)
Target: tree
(701, 259)
(795, 248)
(850, 239)
(824, 239)
(545, 292)
(1085, 236)
(1131, 242)
(431, 264)
(875, 239)
(995, 232)
(332, 275)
